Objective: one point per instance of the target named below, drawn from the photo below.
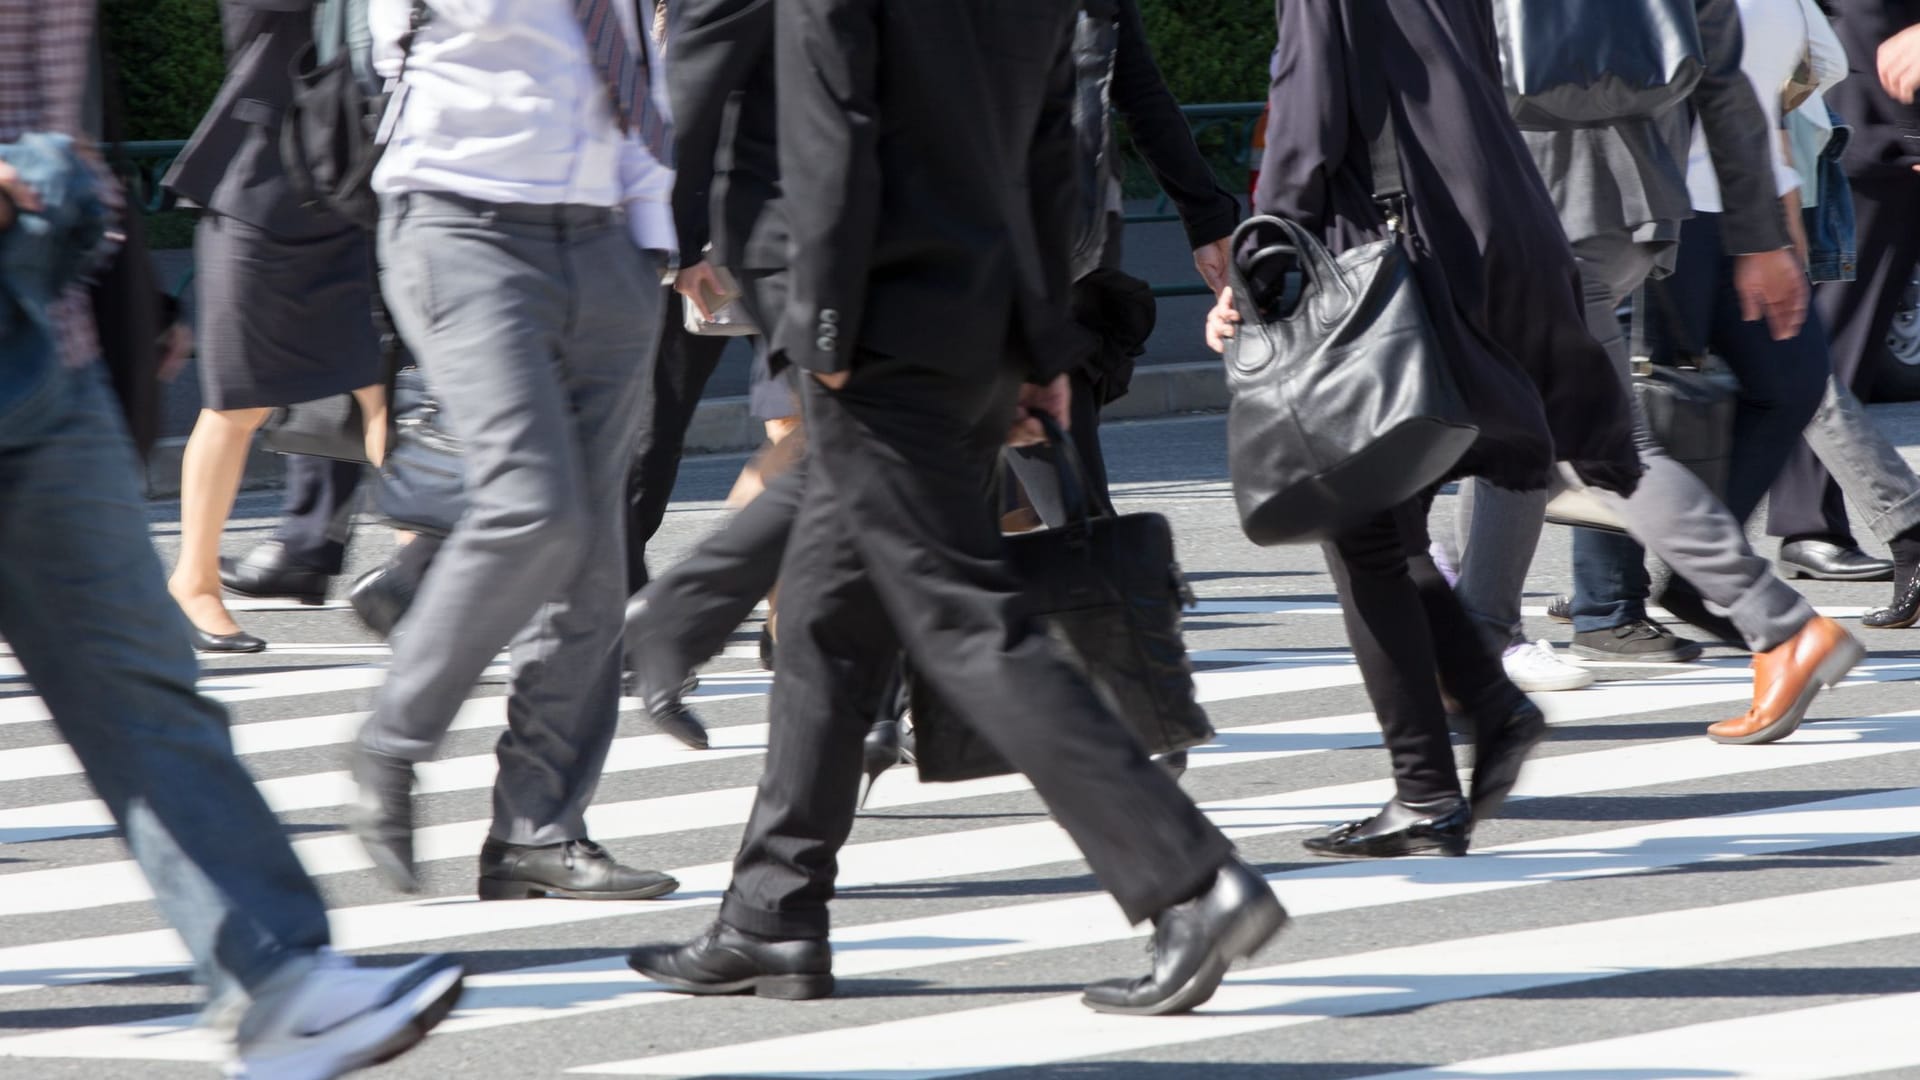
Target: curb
(724, 425)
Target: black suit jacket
(720, 81)
(927, 165)
(1886, 136)
(232, 162)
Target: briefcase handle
(1071, 470)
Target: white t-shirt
(1778, 33)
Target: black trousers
(1037, 469)
(897, 546)
(1407, 627)
(686, 362)
(316, 511)
(1859, 313)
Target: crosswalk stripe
(1288, 995)
(1844, 1039)
(118, 882)
(555, 991)
(1003, 848)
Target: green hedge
(170, 55)
(1212, 50)
(170, 59)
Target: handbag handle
(1322, 274)
(1071, 471)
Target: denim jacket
(1828, 215)
(41, 254)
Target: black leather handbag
(1343, 403)
(1585, 63)
(423, 479)
(328, 427)
(1109, 590)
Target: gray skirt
(282, 321)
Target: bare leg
(210, 471)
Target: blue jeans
(86, 609)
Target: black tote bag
(1343, 404)
(1585, 63)
(1109, 590)
(328, 427)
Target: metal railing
(142, 164)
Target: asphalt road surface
(1653, 906)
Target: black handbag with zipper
(1109, 591)
(1344, 402)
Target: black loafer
(381, 815)
(1194, 944)
(653, 676)
(728, 961)
(1400, 829)
(575, 870)
(266, 573)
(1824, 560)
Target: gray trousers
(1877, 481)
(1672, 513)
(537, 326)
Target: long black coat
(1492, 260)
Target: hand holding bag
(1344, 405)
(1109, 590)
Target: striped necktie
(627, 75)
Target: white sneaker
(1536, 670)
(334, 1017)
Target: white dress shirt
(1778, 34)
(501, 103)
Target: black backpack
(330, 137)
(1590, 63)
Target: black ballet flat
(241, 642)
(1904, 612)
(1400, 829)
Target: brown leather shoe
(1786, 678)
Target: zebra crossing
(1650, 905)
(1253, 781)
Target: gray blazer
(232, 163)
(1632, 176)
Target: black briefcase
(329, 427)
(1109, 591)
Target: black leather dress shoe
(1444, 828)
(267, 574)
(1685, 603)
(576, 870)
(657, 680)
(381, 596)
(241, 642)
(1194, 944)
(1824, 560)
(727, 961)
(381, 815)
(1506, 733)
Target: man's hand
(698, 283)
(833, 380)
(1212, 261)
(1900, 65)
(1772, 286)
(18, 196)
(1221, 321)
(1055, 399)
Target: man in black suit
(926, 167)
(726, 202)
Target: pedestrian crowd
(1626, 265)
